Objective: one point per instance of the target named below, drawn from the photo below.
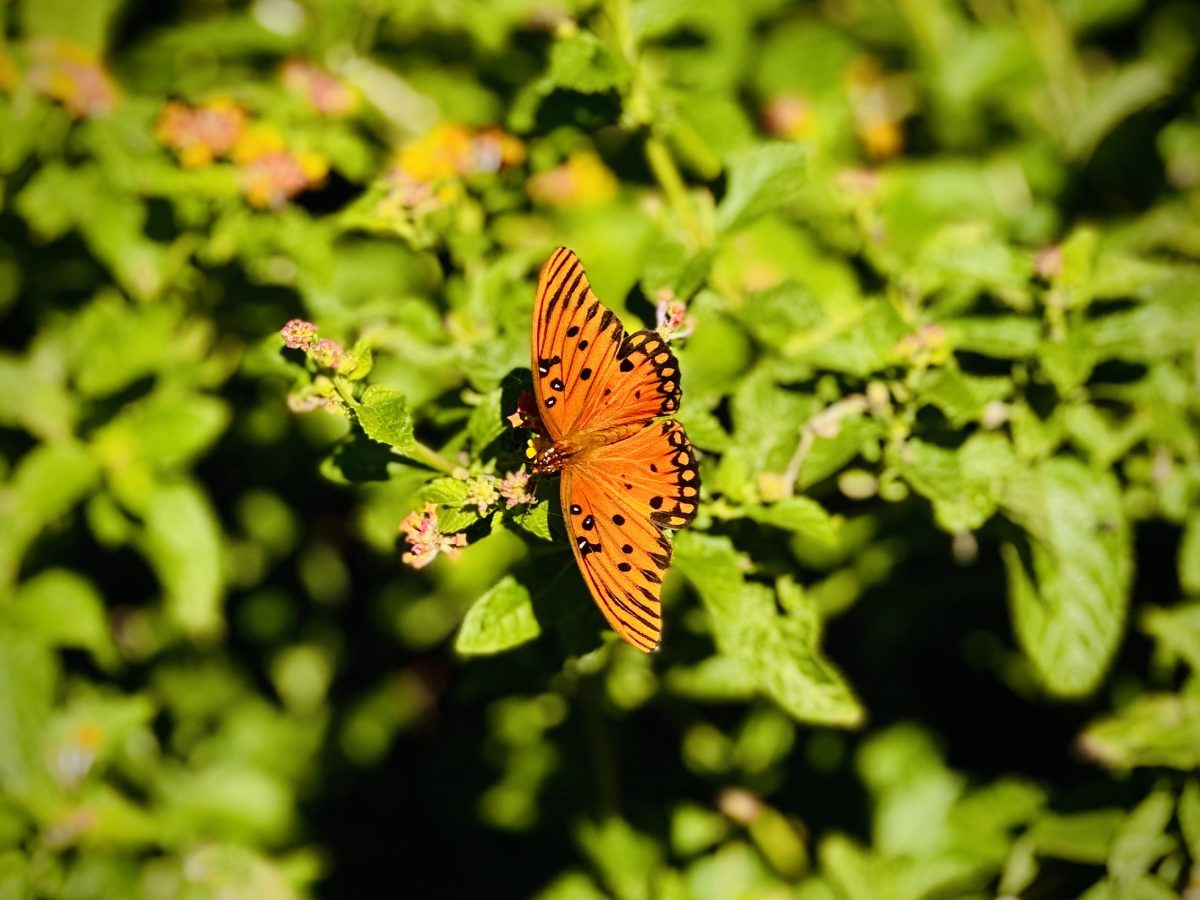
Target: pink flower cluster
(426, 540)
(298, 334)
(514, 488)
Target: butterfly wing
(587, 372)
(616, 501)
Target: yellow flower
(256, 142)
(442, 153)
(881, 138)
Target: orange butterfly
(626, 473)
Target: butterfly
(627, 472)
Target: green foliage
(275, 580)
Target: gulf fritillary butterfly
(627, 472)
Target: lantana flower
(427, 172)
(422, 534)
(327, 94)
(481, 493)
(671, 317)
(271, 173)
(298, 334)
(72, 75)
(514, 488)
(583, 180)
(200, 134)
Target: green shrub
(266, 274)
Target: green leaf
(360, 361)
(1103, 437)
(1068, 603)
(858, 343)
(534, 519)
(963, 398)
(1189, 817)
(695, 829)
(114, 345)
(499, 620)
(1153, 730)
(1144, 887)
(47, 482)
(780, 650)
(16, 875)
(65, 610)
(28, 673)
(1001, 337)
(800, 515)
(583, 62)
(486, 422)
(964, 485)
(1142, 840)
(625, 859)
(714, 679)
(384, 416)
(762, 178)
(783, 315)
(1177, 631)
(87, 25)
(450, 492)
(182, 541)
(1128, 89)
(1080, 837)
(35, 399)
(830, 452)
(165, 431)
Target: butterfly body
(627, 472)
(579, 449)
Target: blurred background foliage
(937, 629)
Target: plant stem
(430, 457)
(663, 164)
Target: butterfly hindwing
(616, 502)
(588, 373)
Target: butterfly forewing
(588, 374)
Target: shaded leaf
(182, 541)
(384, 416)
(780, 650)
(1068, 602)
(501, 619)
(761, 179)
